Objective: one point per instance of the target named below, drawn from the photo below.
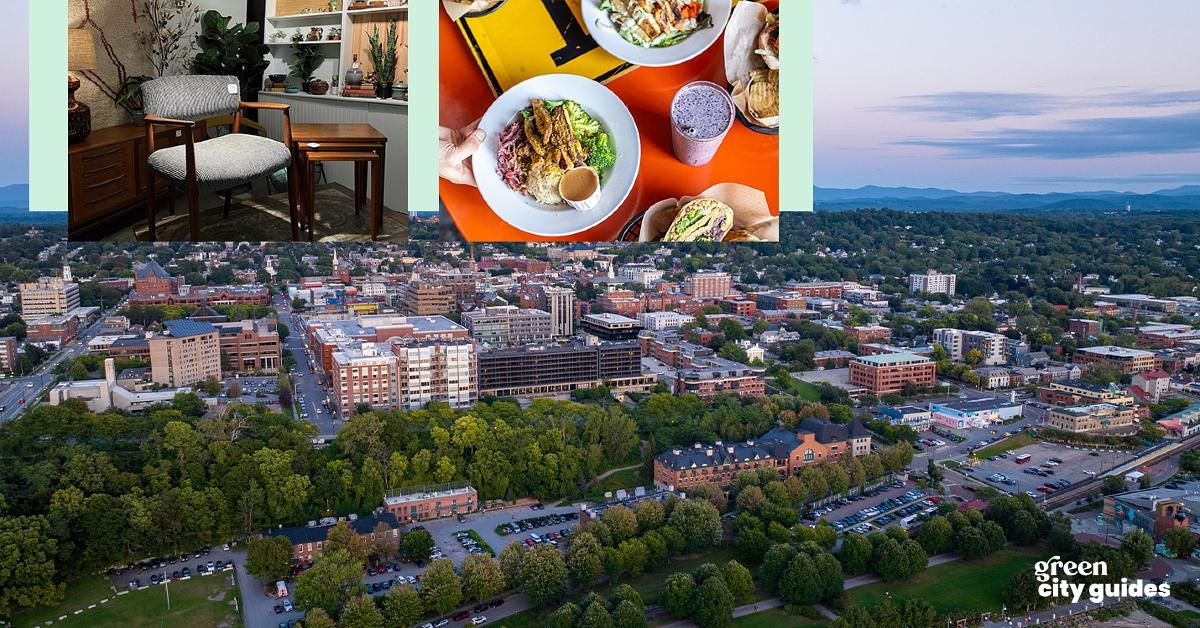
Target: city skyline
(1084, 96)
(14, 99)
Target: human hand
(454, 163)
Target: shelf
(337, 98)
(304, 43)
(329, 17)
(376, 10)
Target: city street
(309, 392)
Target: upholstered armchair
(213, 165)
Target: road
(309, 392)
(18, 392)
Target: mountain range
(15, 196)
(936, 199)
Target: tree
(917, 612)
(566, 616)
(775, 563)
(621, 522)
(333, 579)
(361, 612)
(799, 583)
(935, 473)
(269, 558)
(677, 595)
(1139, 546)
(401, 606)
(511, 559)
(1180, 541)
(633, 555)
(738, 579)
(585, 559)
(27, 570)
(343, 537)
(441, 590)
(1022, 591)
(714, 604)
(650, 514)
(626, 614)
(936, 535)
(750, 498)
(318, 618)
(1112, 484)
(543, 576)
(417, 545)
(970, 543)
(699, 522)
(855, 553)
(890, 561)
(596, 616)
(481, 576)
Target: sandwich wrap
(702, 220)
(752, 217)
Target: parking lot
(484, 524)
(1053, 462)
(873, 509)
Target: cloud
(1159, 178)
(984, 105)
(1079, 139)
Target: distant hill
(15, 196)
(934, 199)
(22, 216)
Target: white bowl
(523, 211)
(601, 28)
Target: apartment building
(1092, 418)
(541, 370)
(785, 451)
(783, 300)
(508, 324)
(250, 346)
(708, 284)
(325, 336)
(559, 301)
(1128, 361)
(868, 333)
(933, 282)
(662, 321)
(959, 343)
(365, 374)
(426, 298)
(1083, 328)
(403, 373)
(888, 373)
(1079, 393)
(48, 296)
(623, 302)
(818, 289)
(309, 541)
(186, 352)
(8, 353)
(714, 376)
(420, 504)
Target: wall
(115, 18)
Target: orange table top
(746, 157)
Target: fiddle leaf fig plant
(231, 50)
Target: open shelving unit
(288, 17)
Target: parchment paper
(456, 10)
(741, 40)
(750, 212)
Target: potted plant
(306, 62)
(384, 58)
(231, 51)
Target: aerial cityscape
(826, 431)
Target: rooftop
(890, 359)
(183, 328)
(315, 531)
(1117, 352)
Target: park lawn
(199, 602)
(1013, 442)
(977, 585)
(774, 618)
(79, 594)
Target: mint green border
(796, 139)
(47, 105)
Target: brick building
(426, 503)
(309, 541)
(888, 373)
(1128, 361)
(708, 284)
(250, 346)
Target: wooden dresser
(108, 179)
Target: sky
(1007, 95)
(14, 94)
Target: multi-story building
(540, 370)
(1079, 393)
(1150, 386)
(819, 289)
(1143, 302)
(8, 353)
(1166, 338)
(1128, 361)
(644, 274)
(309, 541)
(435, 370)
(1083, 328)
(610, 327)
(326, 336)
(783, 450)
(250, 346)
(1092, 418)
(623, 302)
(426, 298)
(868, 333)
(662, 321)
(559, 301)
(975, 413)
(420, 504)
(186, 352)
(55, 330)
(714, 376)
(48, 296)
(933, 282)
(888, 373)
(1154, 510)
(739, 307)
(150, 278)
(213, 295)
(784, 300)
(508, 324)
(708, 284)
(959, 343)
(364, 375)
(919, 419)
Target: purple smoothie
(701, 115)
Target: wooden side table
(362, 144)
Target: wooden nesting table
(361, 144)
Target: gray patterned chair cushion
(223, 162)
(191, 97)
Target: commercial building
(1128, 361)
(960, 343)
(933, 282)
(818, 289)
(919, 419)
(975, 413)
(662, 321)
(559, 301)
(1150, 386)
(610, 327)
(787, 300)
(708, 284)
(186, 352)
(48, 296)
(868, 333)
(250, 346)
(1092, 418)
(213, 295)
(57, 330)
(888, 373)
(1182, 424)
(714, 376)
(1143, 302)
(1083, 328)
(1154, 510)
(8, 353)
(644, 274)
(420, 504)
(508, 324)
(426, 298)
(324, 336)
(101, 395)
(783, 450)
(308, 541)
(540, 370)
(1079, 393)
(622, 302)
(1166, 338)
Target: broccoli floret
(601, 155)
(581, 123)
